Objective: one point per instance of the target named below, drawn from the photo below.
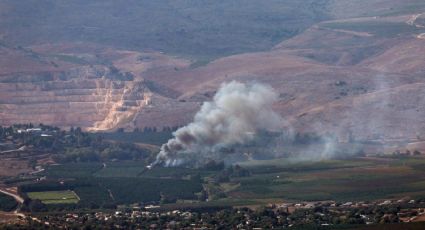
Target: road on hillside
(17, 197)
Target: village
(282, 215)
(279, 213)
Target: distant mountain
(194, 28)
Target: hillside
(356, 72)
(201, 29)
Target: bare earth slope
(359, 76)
(347, 77)
(83, 91)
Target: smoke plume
(235, 114)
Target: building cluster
(284, 215)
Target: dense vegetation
(90, 193)
(151, 136)
(132, 190)
(72, 170)
(114, 183)
(103, 192)
(7, 203)
(73, 145)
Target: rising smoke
(236, 113)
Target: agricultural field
(55, 197)
(153, 138)
(93, 194)
(121, 169)
(354, 179)
(133, 190)
(72, 170)
(138, 169)
(116, 182)
(357, 179)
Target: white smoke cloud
(235, 114)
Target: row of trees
(74, 145)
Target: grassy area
(55, 197)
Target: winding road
(17, 197)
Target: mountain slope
(356, 74)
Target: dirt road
(11, 192)
(16, 196)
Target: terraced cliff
(82, 96)
(77, 89)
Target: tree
(213, 165)
(37, 206)
(32, 162)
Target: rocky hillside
(358, 74)
(76, 89)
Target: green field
(153, 138)
(55, 197)
(354, 179)
(132, 190)
(124, 182)
(342, 180)
(72, 170)
(138, 169)
(121, 169)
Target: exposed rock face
(89, 86)
(93, 97)
(83, 85)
